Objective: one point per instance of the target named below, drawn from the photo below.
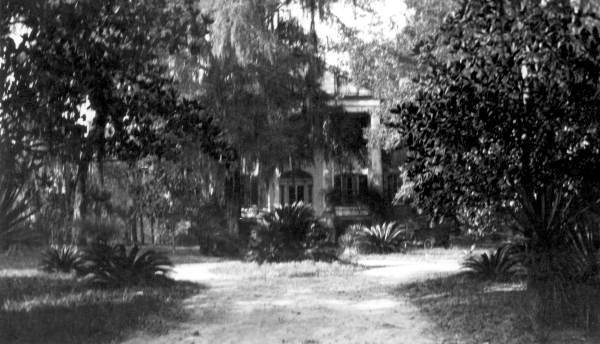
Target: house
(330, 187)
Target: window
(300, 193)
(249, 191)
(350, 186)
(295, 186)
(291, 194)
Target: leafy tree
(256, 84)
(110, 56)
(510, 120)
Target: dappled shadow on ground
(473, 311)
(57, 309)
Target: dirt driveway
(353, 307)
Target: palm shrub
(287, 234)
(382, 238)
(61, 259)
(15, 210)
(351, 239)
(494, 266)
(115, 266)
(293, 222)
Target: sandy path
(354, 309)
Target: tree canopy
(512, 117)
(107, 55)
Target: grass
(472, 311)
(54, 308)
(36, 307)
(416, 255)
(25, 259)
(299, 269)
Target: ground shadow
(58, 309)
(472, 310)
(475, 311)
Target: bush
(15, 211)
(494, 266)
(290, 233)
(61, 259)
(93, 231)
(351, 239)
(224, 244)
(382, 238)
(114, 266)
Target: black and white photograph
(300, 171)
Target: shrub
(494, 266)
(93, 231)
(289, 232)
(61, 259)
(266, 245)
(382, 238)
(15, 210)
(351, 239)
(224, 244)
(114, 266)
(293, 222)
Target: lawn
(36, 307)
(471, 311)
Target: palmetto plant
(116, 266)
(495, 266)
(382, 238)
(351, 238)
(584, 249)
(293, 222)
(61, 259)
(286, 235)
(14, 212)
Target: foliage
(223, 244)
(98, 83)
(289, 232)
(351, 239)
(510, 122)
(113, 60)
(507, 116)
(344, 137)
(92, 231)
(61, 259)
(293, 222)
(584, 242)
(114, 266)
(15, 210)
(382, 238)
(495, 266)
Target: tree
(255, 83)
(511, 121)
(110, 56)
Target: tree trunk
(172, 230)
(142, 235)
(134, 237)
(79, 202)
(152, 224)
(233, 201)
